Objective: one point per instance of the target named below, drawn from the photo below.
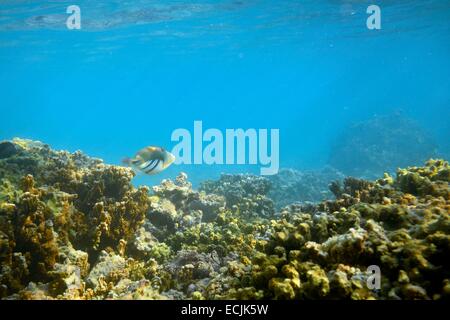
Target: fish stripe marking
(141, 164)
(152, 168)
(147, 165)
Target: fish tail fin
(126, 161)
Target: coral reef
(381, 144)
(243, 192)
(52, 200)
(72, 227)
(290, 185)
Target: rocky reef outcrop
(294, 186)
(72, 227)
(381, 144)
(245, 193)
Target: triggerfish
(150, 160)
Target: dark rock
(8, 149)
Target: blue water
(137, 70)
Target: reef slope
(72, 227)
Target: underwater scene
(225, 150)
